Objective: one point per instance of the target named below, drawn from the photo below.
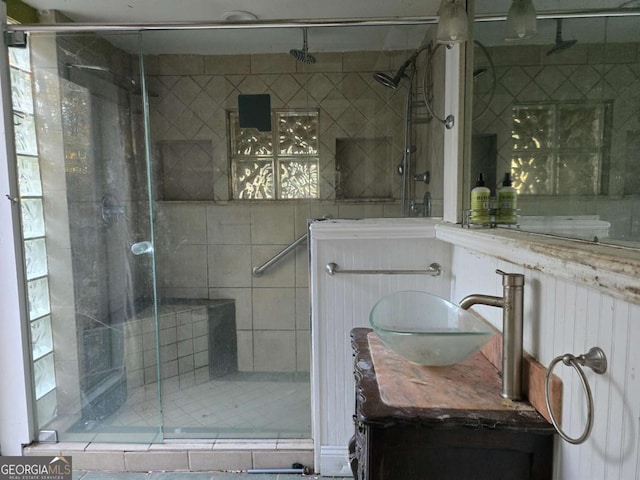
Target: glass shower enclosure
(150, 197)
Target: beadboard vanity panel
(570, 316)
(343, 301)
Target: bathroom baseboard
(334, 461)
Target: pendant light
(453, 24)
(521, 21)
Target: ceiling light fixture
(521, 21)
(239, 16)
(453, 24)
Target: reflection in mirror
(561, 113)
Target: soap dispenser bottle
(480, 197)
(507, 201)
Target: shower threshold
(181, 455)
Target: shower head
(303, 55)
(560, 45)
(392, 82)
(478, 72)
(387, 80)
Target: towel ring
(596, 360)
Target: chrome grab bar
(434, 270)
(259, 271)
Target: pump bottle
(480, 195)
(507, 201)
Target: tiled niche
(363, 170)
(187, 170)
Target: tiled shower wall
(207, 249)
(191, 94)
(585, 72)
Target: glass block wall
(33, 230)
(559, 148)
(281, 164)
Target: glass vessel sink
(427, 329)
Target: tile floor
(86, 475)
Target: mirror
(561, 113)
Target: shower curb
(206, 456)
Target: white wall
(562, 316)
(342, 302)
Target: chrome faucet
(511, 302)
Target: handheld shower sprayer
(392, 82)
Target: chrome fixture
(303, 55)
(79, 27)
(511, 302)
(449, 120)
(142, 248)
(93, 68)
(426, 203)
(521, 20)
(423, 177)
(111, 210)
(424, 208)
(259, 271)
(478, 72)
(407, 70)
(47, 436)
(561, 45)
(596, 360)
(435, 270)
(392, 82)
(453, 24)
(239, 16)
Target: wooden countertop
(392, 389)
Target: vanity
(414, 422)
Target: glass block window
(33, 233)
(281, 164)
(559, 148)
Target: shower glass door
(248, 142)
(234, 347)
(159, 196)
(82, 164)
